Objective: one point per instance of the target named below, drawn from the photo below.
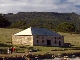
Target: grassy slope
(5, 34)
(74, 39)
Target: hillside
(42, 18)
(5, 34)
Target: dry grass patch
(6, 34)
(74, 39)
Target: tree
(19, 24)
(4, 22)
(35, 23)
(66, 27)
(48, 25)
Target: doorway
(48, 42)
(59, 43)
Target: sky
(60, 6)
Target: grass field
(74, 39)
(5, 34)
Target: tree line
(61, 26)
(4, 22)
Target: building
(37, 36)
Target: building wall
(38, 40)
(22, 40)
(54, 40)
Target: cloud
(75, 2)
(15, 6)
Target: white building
(37, 36)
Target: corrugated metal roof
(37, 31)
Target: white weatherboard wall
(25, 32)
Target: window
(37, 36)
(42, 41)
(55, 41)
(37, 41)
(59, 37)
(55, 37)
(42, 37)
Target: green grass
(74, 39)
(54, 50)
(5, 35)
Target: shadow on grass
(5, 45)
(68, 45)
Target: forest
(62, 22)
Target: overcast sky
(61, 6)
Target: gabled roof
(37, 31)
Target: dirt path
(13, 54)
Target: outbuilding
(34, 36)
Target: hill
(42, 18)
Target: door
(59, 43)
(48, 42)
